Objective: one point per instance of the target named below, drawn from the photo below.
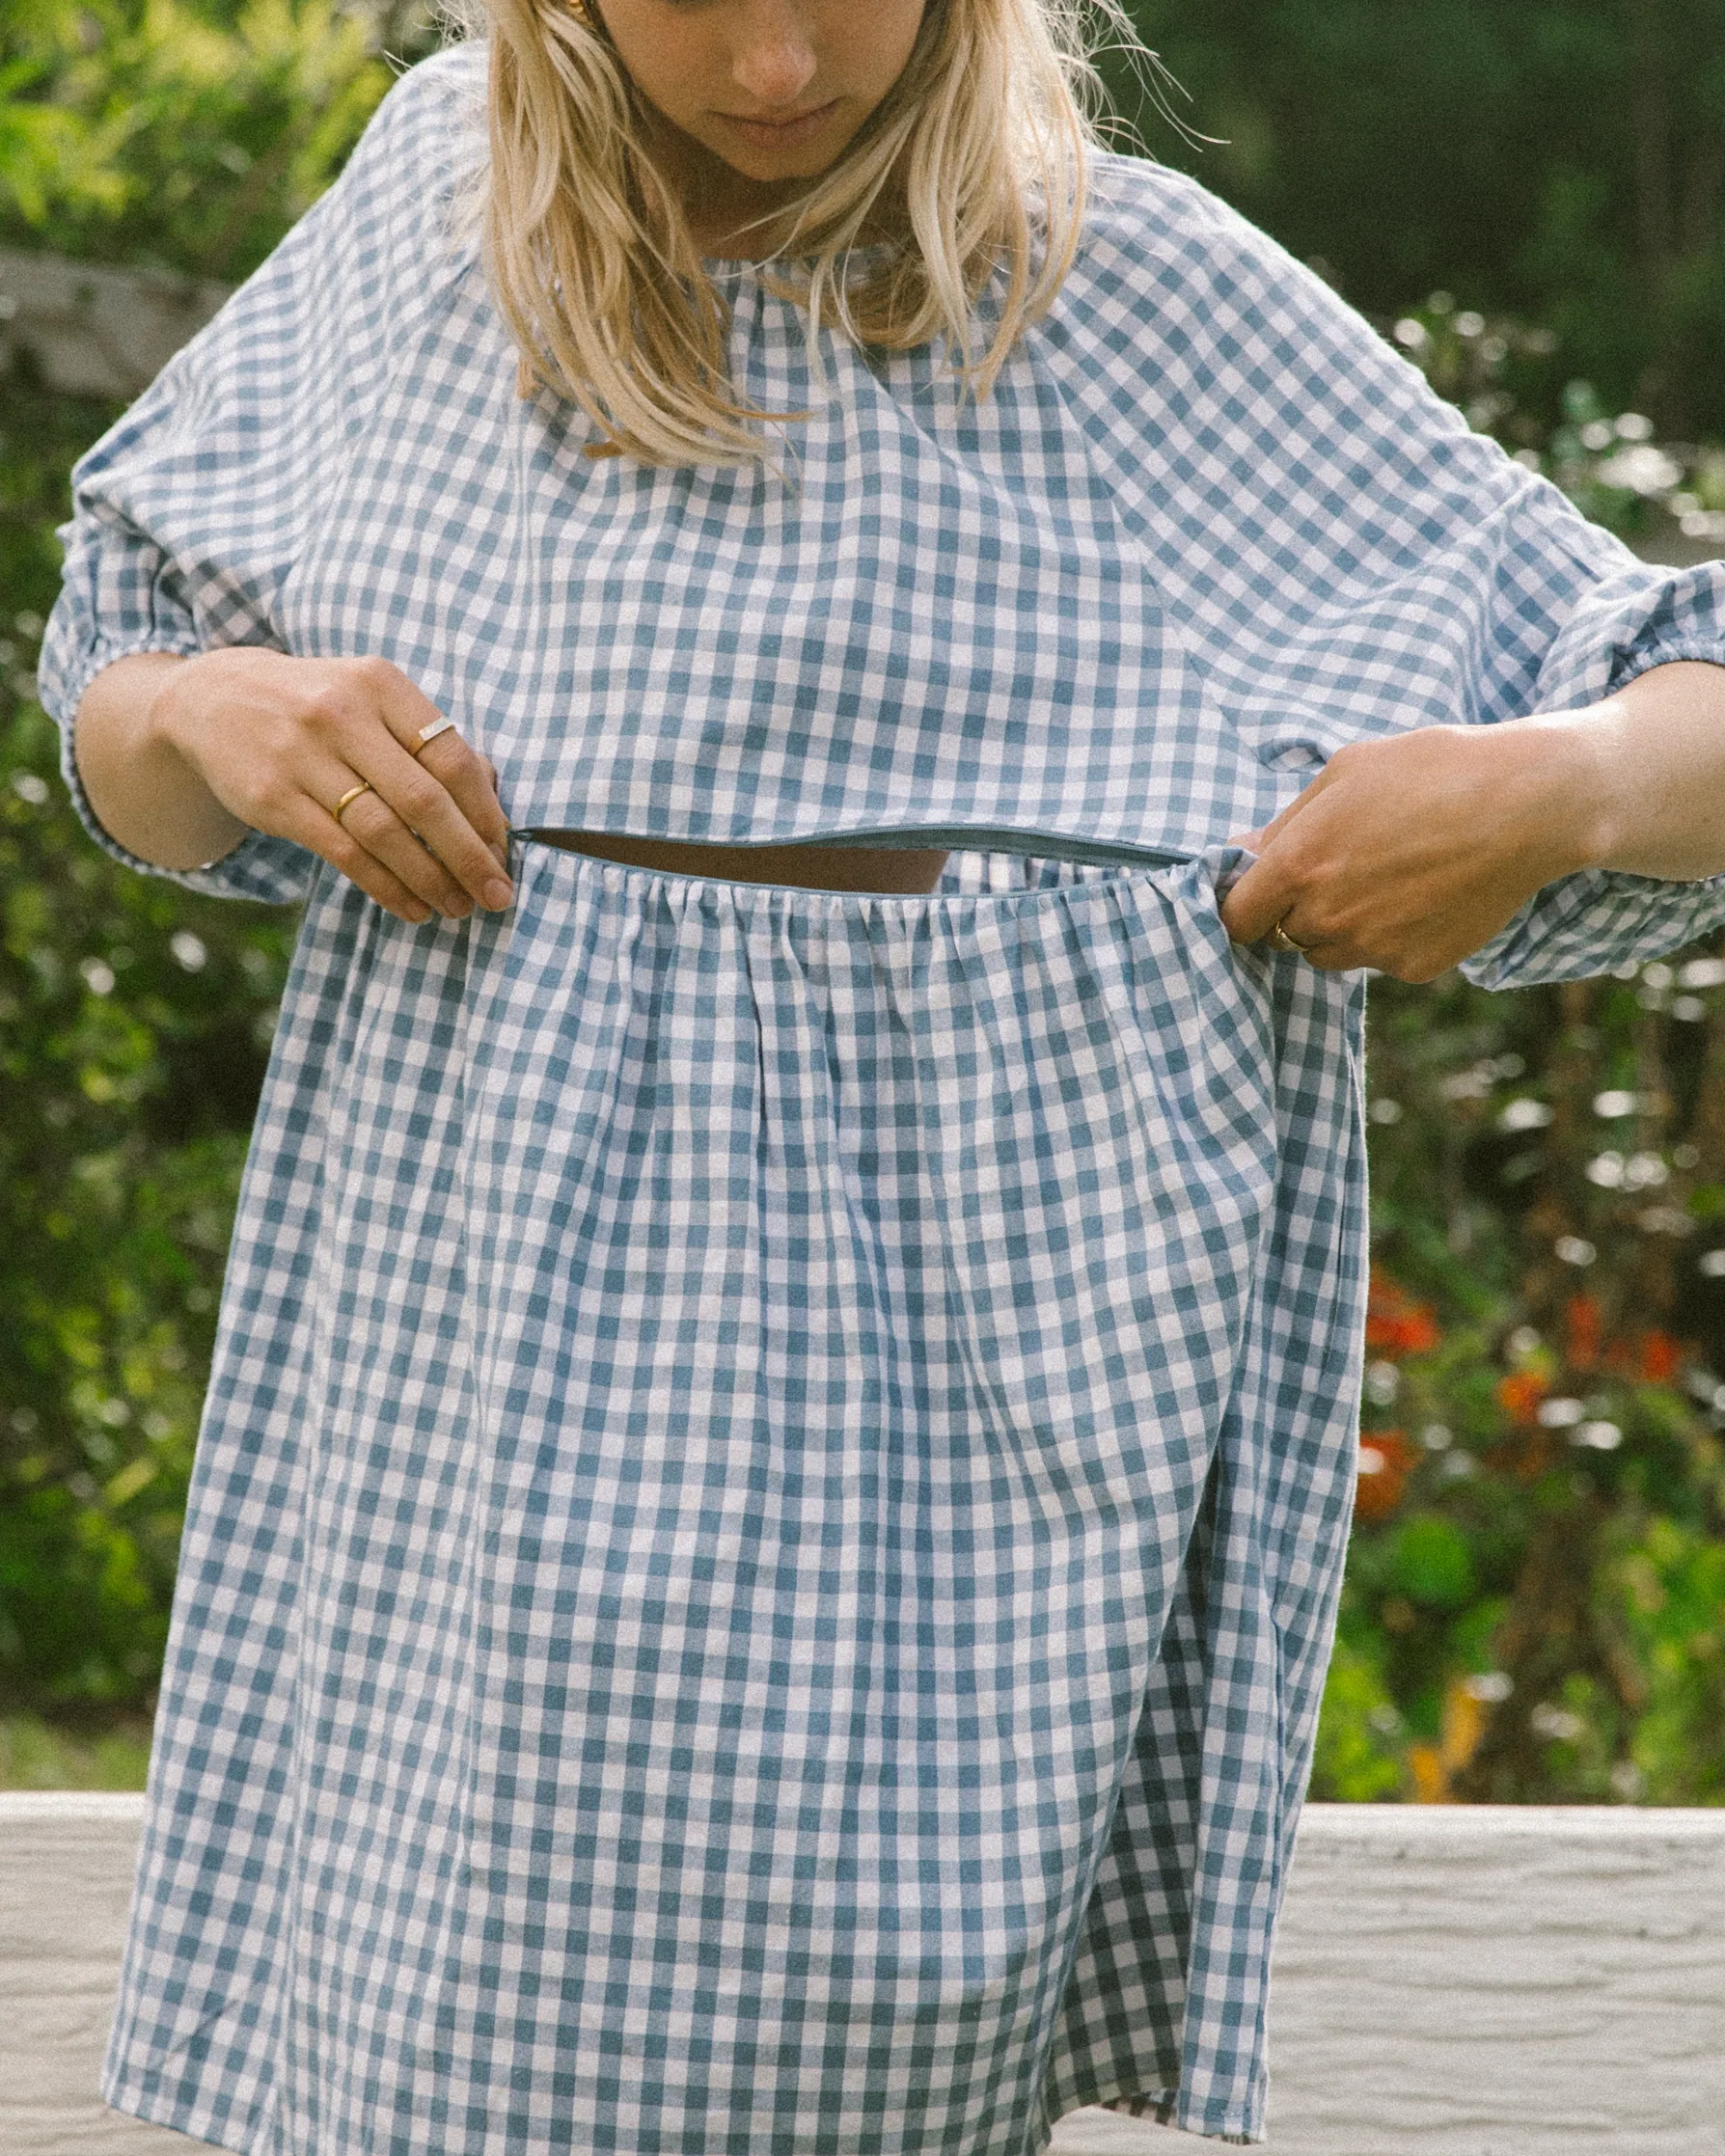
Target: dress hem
(171, 2117)
(1161, 2106)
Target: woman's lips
(783, 134)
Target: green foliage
(165, 132)
(1429, 1563)
(1354, 1761)
(1669, 1588)
(34, 1755)
(134, 1019)
(1537, 1580)
(134, 1022)
(1561, 161)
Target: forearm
(1411, 853)
(1661, 749)
(182, 757)
(144, 791)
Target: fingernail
(498, 893)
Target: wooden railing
(1488, 1981)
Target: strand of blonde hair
(976, 159)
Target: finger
(388, 840)
(430, 811)
(425, 810)
(1337, 956)
(471, 780)
(1262, 897)
(310, 824)
(369, 821)
(371, 717)
(1260, 841)
(466, 830)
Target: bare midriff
(898, 870)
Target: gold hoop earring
(580, 10)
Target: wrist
(137, 747)
(1575, 762)
(157, 718)
(168, 723)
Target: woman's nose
(775, 58)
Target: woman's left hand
(1408, 854)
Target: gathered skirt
(766, 1530)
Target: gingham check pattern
(774, 1486)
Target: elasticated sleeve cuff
(1629, 622)
(274, 871)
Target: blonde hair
(975, 160)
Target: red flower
(1648, 1359)
(1582, 1331)
(1395, 1323)
(1660, 1358)
(1387, 1460)
(1519, 1394)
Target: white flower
(1556, 1722)
(1640, 470)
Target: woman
(775, 1481)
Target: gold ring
(348, 799)
(428, 734)
(1281, 940)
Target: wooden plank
(1502, 1980)
(66, 1878)
(1452, 1981)
(96, 332)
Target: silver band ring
(1281, 940)
(428, 734)
(348, 799)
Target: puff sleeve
(1345, 558)
(189, 513)
(1628, 618)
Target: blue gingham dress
(771, 1503)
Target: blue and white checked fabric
(775, 1481)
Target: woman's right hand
(181, 756)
